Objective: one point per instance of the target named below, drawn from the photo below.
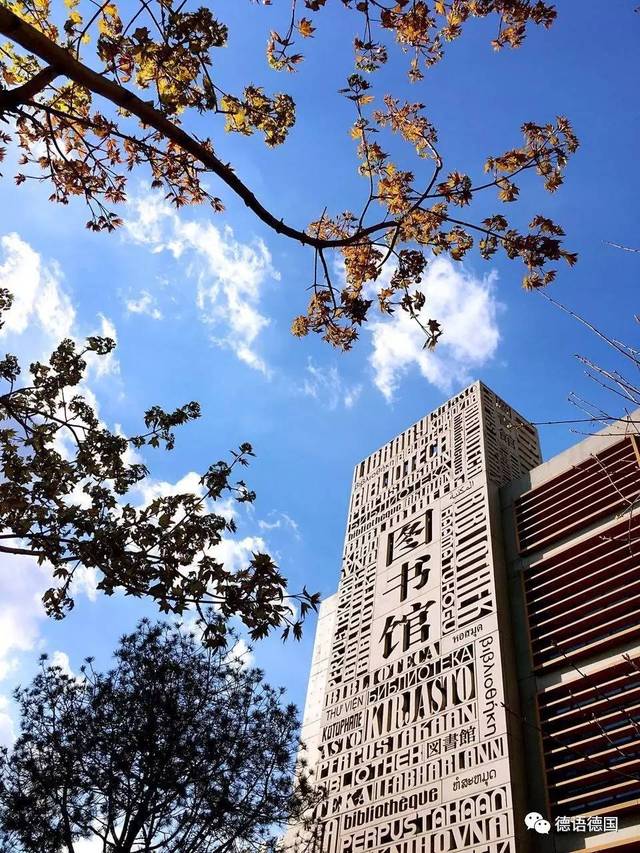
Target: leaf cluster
(421, 221)
(67, 498)
(85, 131)
(420, 28)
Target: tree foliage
(109, 88)
(67, 498)
(177, 748)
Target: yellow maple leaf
(305, 27)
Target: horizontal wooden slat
(590, 732)
(591, 490)
(565, 624)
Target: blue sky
(201, 304)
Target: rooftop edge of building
(573, 456)
(478, 383)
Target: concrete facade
(406, 723)
(481, 657)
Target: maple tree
(71, 496)
(105, 88)
(177, 748)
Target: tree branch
(12, 98)
(620, 246)
(4, 549)
(61, 62)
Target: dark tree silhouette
(75, 509)
(178, 748)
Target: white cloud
(85, 582)
(94, 844)
(233, 553)
(236, 553)
(280, 521)
(230, 275)
(61, 659)
(41, 315)
(7, 728)
(132, 455)
(226, 507)
(327, 385)
(466, 307)
(22, 583)
(191, 623)
(151, 489)
(39, 298)
(241, 652)
(351, 396)
(104, 365)
(42, 307)
(144, 304)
